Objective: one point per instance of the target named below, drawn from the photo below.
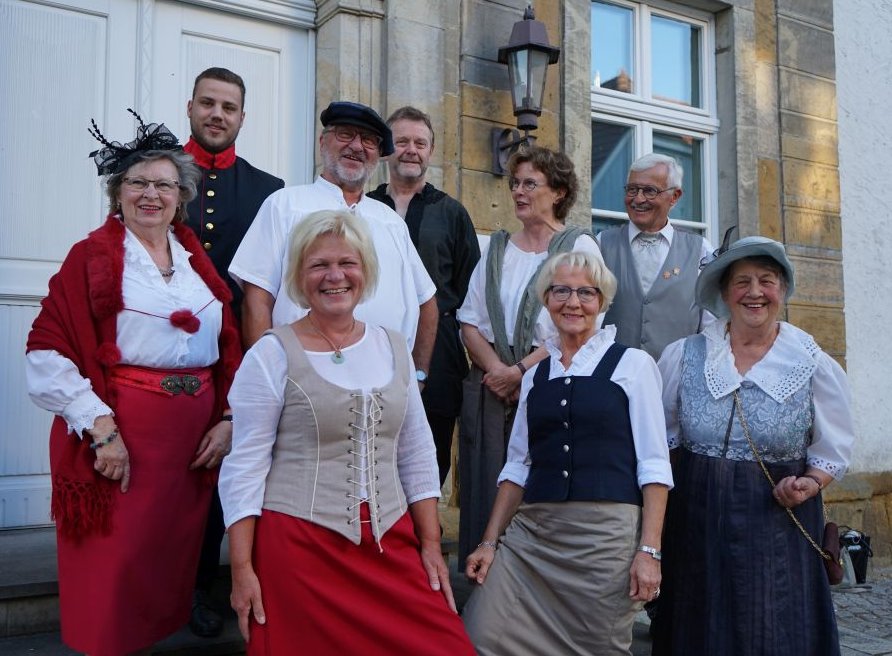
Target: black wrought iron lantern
(528, 56)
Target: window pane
(612, 153)
(689, 153)
(612, 47)
(675, 48)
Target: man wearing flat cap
(353, 138)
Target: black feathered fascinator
(117, 157)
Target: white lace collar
(788, 365)
(585, 357)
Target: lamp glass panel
(612, 47)
(688, 151)
(675, 48)
(538, 63)
(518, 76)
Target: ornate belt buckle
(172, 383)
(190, 384)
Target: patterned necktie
(646, 253)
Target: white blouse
(145, 335)
(517, 268)
(258, 396)
(791, 362)
(637, 375)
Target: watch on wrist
(655, 553)
(421, 375)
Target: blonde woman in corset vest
(330, 492)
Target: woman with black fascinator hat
(134, 351)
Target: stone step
(29, 603)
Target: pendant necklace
(337, 357)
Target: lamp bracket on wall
(505, 142)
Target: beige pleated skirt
(559, 583)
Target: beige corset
(317, 460)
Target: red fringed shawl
(79, 320)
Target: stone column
(350, 57)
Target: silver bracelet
(655, 553)
(489, 544)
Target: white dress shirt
(145, 335)
(637, 375)
(517, 268)
(403, 282)
(258, 396)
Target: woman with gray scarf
(503, 324)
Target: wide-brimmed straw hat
(708, 290)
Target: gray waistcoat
(315, 461)
(668, 312)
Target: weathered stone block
(810, 139)
(488, 104)
(806, 48)
(818, 282)
(487, 27)
(819, 12)
(808, 95)
(826, 325)
(816, 233)
(811, 186)
(769, 199)
(766, 32)
(488, 201)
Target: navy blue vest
(580, 437)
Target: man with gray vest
(656, 266)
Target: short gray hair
(188, 173)
(675, 174)
(591, 263)
(339, 223)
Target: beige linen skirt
(559, 583)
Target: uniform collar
(206, 160)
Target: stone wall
(780, 155)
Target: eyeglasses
(527, 184)
(649, 192)
(584, 294)
(346, 134)
(161, 186)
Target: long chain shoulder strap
(746, 434)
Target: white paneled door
(67, 61)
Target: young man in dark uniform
(442, 231)
(229, 195)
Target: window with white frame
(653, 90)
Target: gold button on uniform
(210, 210)
(209, 226)
(211, 193)
(207, 245)
(212, 176)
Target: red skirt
(125, 591)
(324, 595)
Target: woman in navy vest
(583, 492)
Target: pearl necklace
(337, 357)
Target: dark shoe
(205, 622)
